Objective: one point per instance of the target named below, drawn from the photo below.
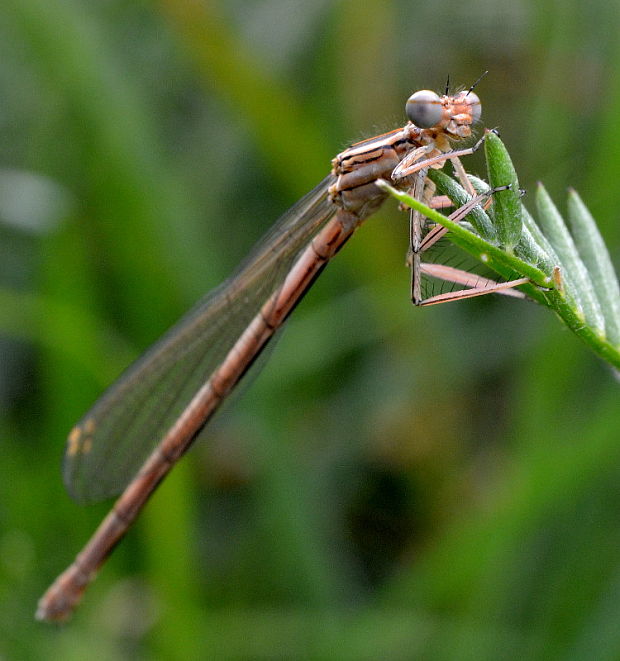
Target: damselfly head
(452, 114)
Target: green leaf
(598, 262)
(574, 270)
(587, 302)
(459, 196)
(489, 254)
(507, 203)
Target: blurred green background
(397, 483)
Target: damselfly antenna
(471, 89)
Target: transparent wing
(133, 415)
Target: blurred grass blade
(595, 256)
(236, 74)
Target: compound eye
(476, 107)
(424, 109)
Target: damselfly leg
(414, 167)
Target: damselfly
(143, 423)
